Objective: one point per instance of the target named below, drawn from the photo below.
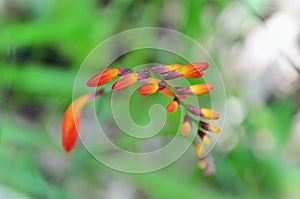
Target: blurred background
(255, 44)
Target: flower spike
(154, 80)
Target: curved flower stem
(154, 82)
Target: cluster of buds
(154, 79)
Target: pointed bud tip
(67, 148)
(201, 65)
